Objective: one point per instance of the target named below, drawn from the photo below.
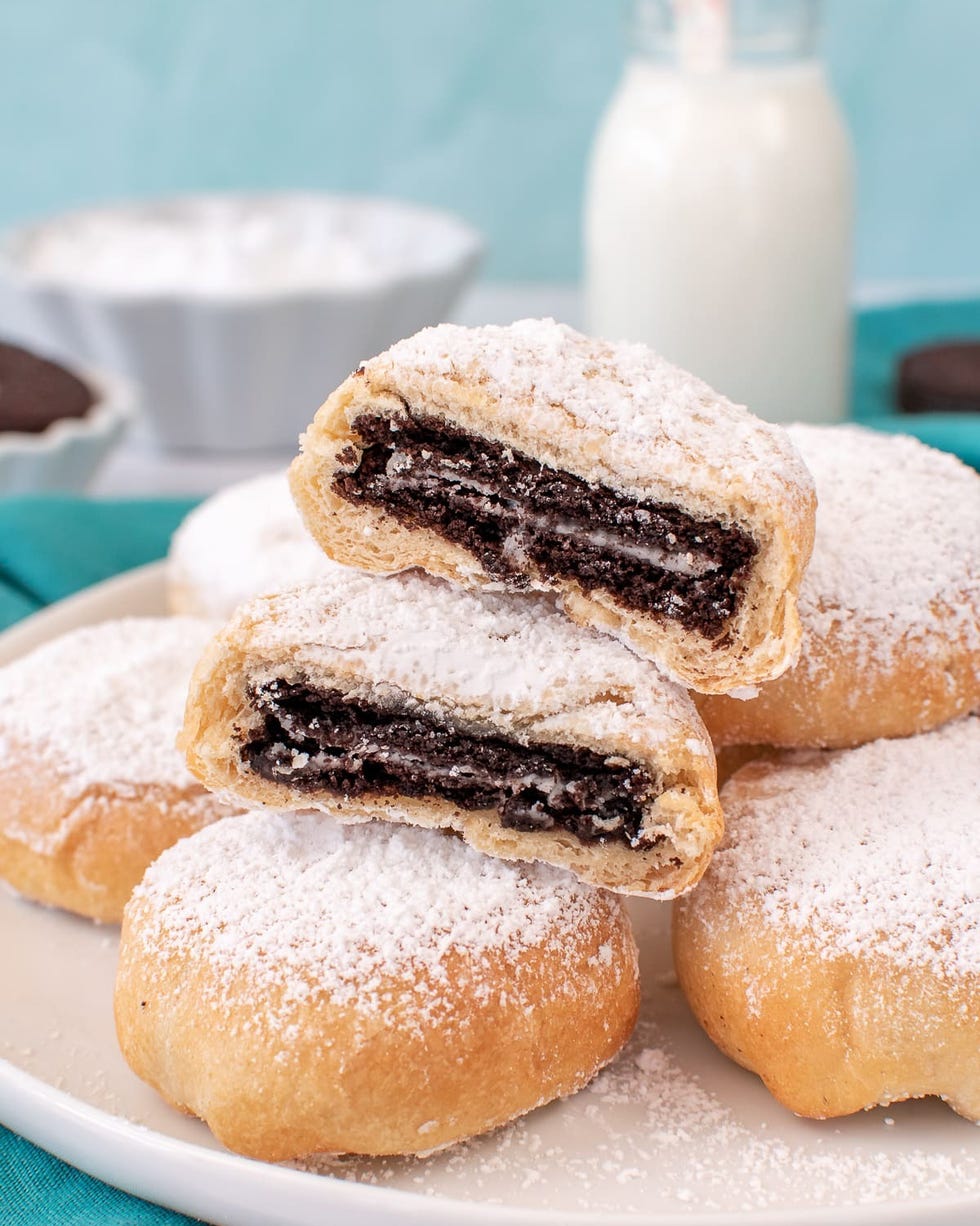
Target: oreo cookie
(940, 379)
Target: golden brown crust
(760, 641)
(395, 1089)
(732, 758)
(832, 946)
(280, 1073)
(830, 1035)
(839, 696)
(890, 603)
(86, 853)
(218, 713)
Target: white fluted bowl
(66, 455)
(233, 348)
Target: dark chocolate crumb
(325, 740)
(522, 519)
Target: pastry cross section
(516, 514)
(323, 740)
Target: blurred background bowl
(66, 455)
(237, 314)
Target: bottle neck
(705, 36)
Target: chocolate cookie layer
(35, 392)
(328, 740)
(517, 515)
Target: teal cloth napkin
(49, 548)
(37, 1189)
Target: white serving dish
(66, 455)
(702, 1146)
(236, 350)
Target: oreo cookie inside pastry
(92, 787)
(305, 986)
(418, 702)
(890, 603)
(833, 946)
(534, 458)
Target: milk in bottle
(719, 205)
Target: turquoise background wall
(484, 106)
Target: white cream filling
(473, 773)
(550, 787)
(692, 564)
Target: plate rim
(77, 1132)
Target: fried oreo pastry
(531, 457)
(409, 700)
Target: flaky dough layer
(505, 665)
(617, 416)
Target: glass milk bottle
(719, 205)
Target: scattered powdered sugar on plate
(648, 1137)
(898, 532)
(246, 540)
(875, 848)
(307, 905)
(102, 705)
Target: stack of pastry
(536, 543)
(461, 742)
(461, 731)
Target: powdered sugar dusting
(246, 540)
(898, 532)
(653, 417)
(432, 640)
(874, 849)
(309, 905)
(102, 705)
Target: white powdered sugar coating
(874, 850)
(898, 531)
(477, 649)
(305, 904)
(246, 540)
(101, 706)
(649, 417)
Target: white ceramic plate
(671, 1133)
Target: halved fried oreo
(533, 458)
(417, 702)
